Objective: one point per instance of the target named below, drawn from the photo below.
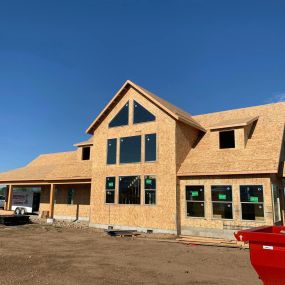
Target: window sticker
(148, 181)
(253, 199)
(222, 197)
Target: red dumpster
(267, 252)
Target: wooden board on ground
(208, 241)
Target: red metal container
(267, 252)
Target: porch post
(51, 201)
(10, 197)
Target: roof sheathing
(261, 154)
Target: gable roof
(175, 112)
(262, 151)
(48, 167)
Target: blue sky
(62, 61)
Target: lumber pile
(208, 241)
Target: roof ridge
(242, 108)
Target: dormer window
(86, 153)
(227, 139)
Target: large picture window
(122, 118)
(129, 190)
(195, 205)
(130, 149)
(150, 147)
(222, 206)
(251, 198)
(150, 189)
(111, 151)
(110, 189)
(141, 114)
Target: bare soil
(42, 254)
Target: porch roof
(50, 167)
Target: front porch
(63, 200)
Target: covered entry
(69, 201)
(59, 200)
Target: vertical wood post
(51, 201)
(10, 197)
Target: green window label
(195, 194)
(222, 197)
(111, 184)
(148, 181)
(253, 199)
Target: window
(111, 151)
(142, 115)
(195, 201)
(130, 149)
(150, 147)
(251, 198)
(222, 205)
(85, 153)
(122, 118)
(129, 190)
(150, 189)
(110, 190)
(70, 196)
(227, 139)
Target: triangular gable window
(122, 118)
(142, 115)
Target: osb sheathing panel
(235, 182)
(185, 138)
(54, 166)
(262, 151)
(162, 215)
(80, 204)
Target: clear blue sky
(62, 61)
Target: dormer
(84, 149)
(234, 134)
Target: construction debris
(14, 220)
(208, 241)
(122, 233)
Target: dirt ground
(42, 254)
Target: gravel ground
(72, 254)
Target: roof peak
(173, 111)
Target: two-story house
(149, 165)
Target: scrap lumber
(122, 233)
(208, 241)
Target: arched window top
(122, 118)
(141, 114)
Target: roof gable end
(167, 107)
